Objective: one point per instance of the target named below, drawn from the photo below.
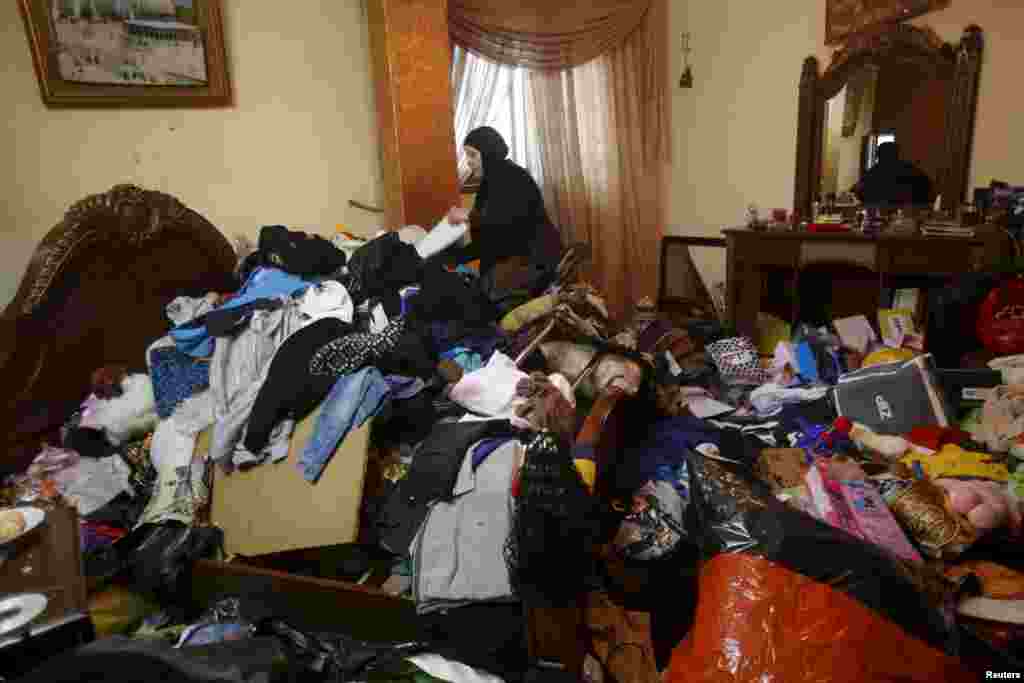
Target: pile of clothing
(817, 479)
(459, 380)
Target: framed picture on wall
(128, 53)
(844, 18)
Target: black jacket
(895, 183)
(509, 219)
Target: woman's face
(473, 158)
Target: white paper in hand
(443, 236)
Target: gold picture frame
(844, 18)
(117, 53)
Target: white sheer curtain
(491, 94)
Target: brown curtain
(603, 135)
(543, 34)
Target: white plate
(33, 518)
(26, 607)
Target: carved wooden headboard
(94, 294)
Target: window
(493, 95)
(874, 140)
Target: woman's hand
(457, 215)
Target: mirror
(902, 85)
(903, 103)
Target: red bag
(1001, 318)
(758, 622)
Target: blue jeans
(353, 400)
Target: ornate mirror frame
(900, 42)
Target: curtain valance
(543, 34)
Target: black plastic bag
(952, 312)
(163, 559)
(335, 656)
(125, 660)
(733, 512)
(157, 558)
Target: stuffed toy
(131, 414)
(986, 504)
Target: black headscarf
(514, 221)
(488, 142)
(493, 150)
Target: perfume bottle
(862, 218)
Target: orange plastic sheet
(758, 622)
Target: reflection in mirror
(848, 123)
(901, 102)
(900, 85)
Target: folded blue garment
(194, 338)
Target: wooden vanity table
(751, 254)
(868, 78)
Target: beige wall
(299, 142)
(735, 131)
(301, 139)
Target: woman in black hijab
(508, 219)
